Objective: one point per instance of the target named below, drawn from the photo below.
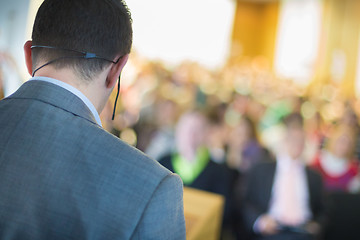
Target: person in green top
(193, 162)
(192, 155)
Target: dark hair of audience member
(294, 120)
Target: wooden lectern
(203, 214)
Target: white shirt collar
(333, 165)
(284, 161)
(74, 91)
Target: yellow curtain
(337, 57)
(254, 31)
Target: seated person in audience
(217, 133)
(192, 160)
(244, 148)
(350, 119)
(336, 163)
(284, 198)
(243, 152)
(162, 140)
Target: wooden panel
(203, 214)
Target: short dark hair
(103, 27)
(294, 120)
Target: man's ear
(115, 71)
(28, 59)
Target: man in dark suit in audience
(62, 176)
(284, 198)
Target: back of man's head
(102, 27)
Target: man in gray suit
(61, 175)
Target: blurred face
(342, 146)
(295, 142)
(350, 118)
(239, 135)
(215, 136)
(191, 134)
(166, 113)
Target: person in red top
(336, 163)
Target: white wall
(177, 30)
(298, 39)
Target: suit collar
(56, 96)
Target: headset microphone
(86, 55)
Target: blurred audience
(193, 162)
(283, 199)
(162, 140)
(350, 119)
(244, 148)
(336, 162)
(217, 132)
(316, 132)
(245, 104)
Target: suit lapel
(56, 96)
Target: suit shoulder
(127, 157)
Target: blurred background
(246, 63)
(265, 52)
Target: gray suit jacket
(64, 177)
